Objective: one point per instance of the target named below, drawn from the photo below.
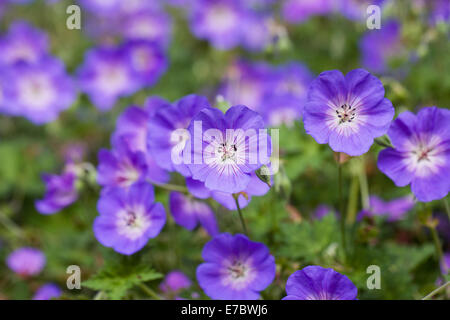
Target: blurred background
(262, 53)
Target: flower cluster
(33, 84)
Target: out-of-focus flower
(162, 139)
(229, 23)
(38, 92)
(317, 283)
(347, 112)
(26, 261)
(378, 46)
(122, 166)
(235, 268)
(150, 25)
(421, 153)
(128, 218)
(355, 9)
(147, 60)
(188, 213)
(174, 282)
(225, 149)
(100, 6)
(394, 209)
(277, 93)
(106, 75)
(440, 11)
(218, 22)
(297, 11)
(61, 192)
(322, 211)
(24, 43)
(47, 292)
(132, 129)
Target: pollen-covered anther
(346, 113)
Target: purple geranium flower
(296, 11)
(122, 166)
(224, 149)
(218, 21)
(188, 212)
(246, 83)
(61, 192)
(152, 24)
(421, 153)
(378, 46)
(277, 93)
(165, 122)
(132, 128)
(26, 261)
(38, 92)
(317, 283)
(147, 60)
(107, 75)
(24, 43)
(128, 218)
(174, 282)
(47, 292)
(347, 112)
(394, 209)
(235, 268)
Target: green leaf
(116, 279)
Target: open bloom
(26, 261)
(47, 292)
(421, 153)
(38, 92)
(224, 149)
(347, 112)
(317, 283)
(61, 192)
(106, 75)
(235, 268)
(162, 140)
(188, 212)
(23, 43)
(128, 218)
(147, 60)
(121, 167)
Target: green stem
(437, 243)
(241, 217)
(447, 207)
(11, 226)
(149, 291)
(342, 209)
(434, 292)
(364, 186)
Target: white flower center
(133, 222)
